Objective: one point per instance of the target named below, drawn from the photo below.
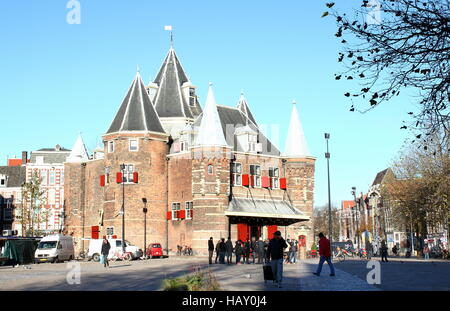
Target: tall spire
(295, 142)
(210, 132)
(243, 107)
(79, 152)
(169, 99)
(136, 112)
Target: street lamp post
(327, 156)
(122, 168)
(357, 215)
(145, 226)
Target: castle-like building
(199, 173)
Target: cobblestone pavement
(148, 275)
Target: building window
(128, 173)
(255, 172)
(51, 179)
(210, 169)
(110, 146)
(110, 231)
(237, 171)
(39, 160)
(175, 209)
(274, 174)
(3, 179)
(189, 208)
(183, 146)
(44, 180)
(133, 145)
(61, 178)
(191, 97)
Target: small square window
(210, 169)
(111, 146)
(133, 145)
(110, 231)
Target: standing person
(384, 251)
(253, 249)
(105, 252)
(325, 255)
(217, 251)
(275, 253)
(426, 252)
(229, 249)
(291, 251)
(395, 250)
(261, 250)
(210, 249)
(294, 251)
(222, 251)
(247, 247)
(238, 251)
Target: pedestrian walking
(217, 251)
(238, 251)
(426, 252)
(294, 251)
(229, 250)
(222, 251)
(105, 252)
(260, 249)
(325, 255)
(275, 254)
(210, 249)
(291, 251)
(383, 251)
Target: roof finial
(294, 102)
(210, 83)
(169, 28)
(137, 69)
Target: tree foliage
(320, 216)
(420, 194)
(397, 45)
(32, 205)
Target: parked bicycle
(121, 256)
(339, 254)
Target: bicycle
(121, 256)
(340, 256)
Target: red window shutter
(192, 213)
(114, 236)
(283, 183)
(119, 177)
(245, 180)
(102, 180)
(271, 183)
(135, 177)
(95, 232)
(169, 215)
(252, 180)
(182, 214)
(265, 181)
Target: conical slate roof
(136, 112)
(169, 100)
(295, 142)
(79, 152)
(210, 131)
(243, 107)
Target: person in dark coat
(275, 252)
(210, 249)
(325, 255)
(247, 247)
(229, 250)
(217, 251)
(238, 251)
(222, 251)
(260, 249)
(384, 251)
(105, 251)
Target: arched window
(210, 169)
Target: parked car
(54, 248)
(154, 250)
(95, 247)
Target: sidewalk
(297, 277)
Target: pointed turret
(136, 112)
(295, 142)
(175, 96)
(210, 132)
(79, 152)
(243, 107)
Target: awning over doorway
(274, 209)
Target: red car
(154, 250)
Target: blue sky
(57, 79)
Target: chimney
(24, 157)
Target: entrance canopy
(270, 212)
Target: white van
(95, 249)
(54, 248)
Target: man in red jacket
(325, 255)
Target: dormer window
(191, 96)
(3, 181)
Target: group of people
(249, 251)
